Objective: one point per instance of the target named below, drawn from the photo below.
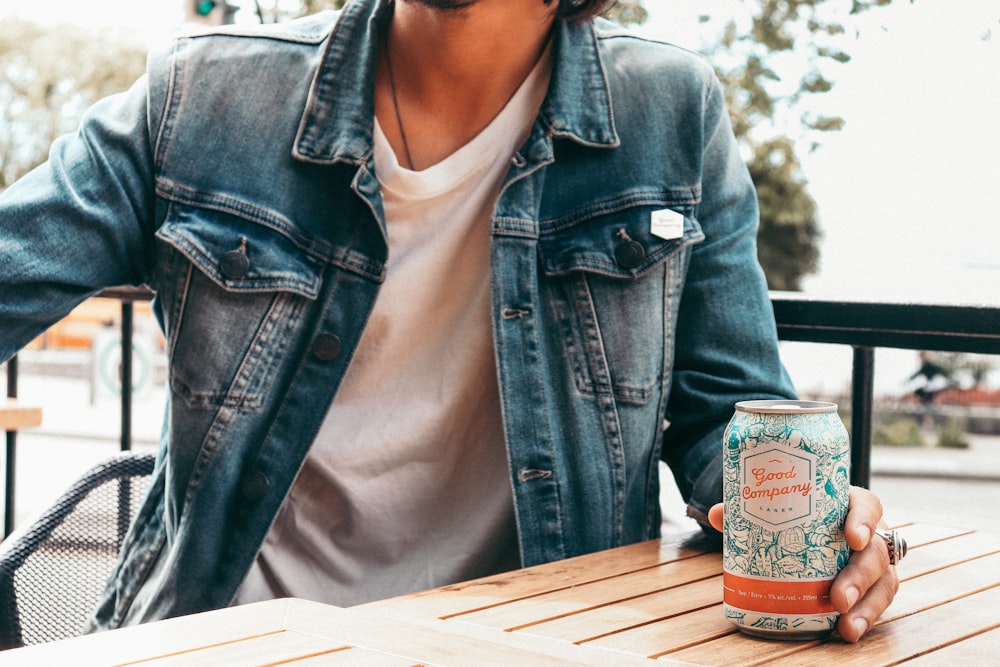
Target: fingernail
(865, 534)
(861, 625)
(852, 594)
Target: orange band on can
(770, 596)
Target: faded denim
(237, 180)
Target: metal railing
(864, 326)
(869, 325)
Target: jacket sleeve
(80, 222)
(726, 340)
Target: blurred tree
(788, 238)
(48, 77)
(970, 371)
(627, 12)
(772, 55)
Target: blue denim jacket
(236, 179)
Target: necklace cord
(395, 100)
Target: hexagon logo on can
(778, 486)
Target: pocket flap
(241, 255)
(618, 244)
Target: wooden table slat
(977, 650)
(439, 642)
(670, 634)
(142, 642)
(621, 614)
(504, 588)
(918, 534)
(919, 594)
(556, 604)
(353, 657)
(15, 415)
(924, 558)
(911, 636)
(271, 648)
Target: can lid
(786, 406)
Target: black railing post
(126, 396)
(125, 483)
(10, 455)
(862, 395)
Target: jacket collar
(337, 122)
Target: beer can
(786, 479)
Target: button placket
(327, 347)
(255, 486)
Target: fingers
(863, 518)
(866, 586)
(861, 594)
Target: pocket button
(234, 264)
(629, 254)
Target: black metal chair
(52, 572)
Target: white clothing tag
(667, 224)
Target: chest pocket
(234, 293)
(613, 288)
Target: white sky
(908, 192)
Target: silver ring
(895, 544)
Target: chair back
(53, 571)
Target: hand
(866, 586)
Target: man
(441, 283)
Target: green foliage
(900, 433)
(627, 12)
(48, 77)
(789, 235)
(772, 55)
(953, 436)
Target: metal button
(629, 254)
(234, 264)
(327, 347)
(255, 486)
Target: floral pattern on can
(786, 483)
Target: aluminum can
(786, 480)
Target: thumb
(715, 516)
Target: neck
(454, 70)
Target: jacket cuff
(707, 491)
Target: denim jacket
(236, 179)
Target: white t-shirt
(406, 486)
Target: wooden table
(14, 415)
(657, 600)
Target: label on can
(786, 483)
